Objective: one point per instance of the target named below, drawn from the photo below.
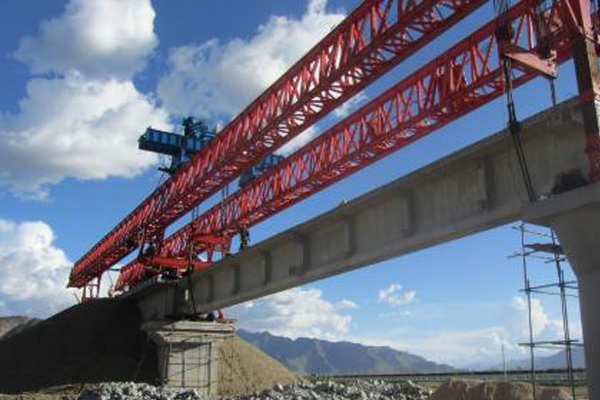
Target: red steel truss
(375, 37)
(462, 79)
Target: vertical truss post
(91, 290)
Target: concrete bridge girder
(475, 189)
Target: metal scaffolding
(548, 252)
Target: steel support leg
(586, 68)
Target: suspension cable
(514, 127)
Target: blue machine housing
(180, 148)
(196, 136)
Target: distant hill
(557, 360)
(312, 356)
(10, 326)
(303, 355)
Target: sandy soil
(467, 389)
(246, 369)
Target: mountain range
(557, 360)
(314, 356)
(307, 356)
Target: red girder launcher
(467, 76)
(375, 37)
(531, 38)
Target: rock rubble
(325, 390)
(350, 390)
(136, 391)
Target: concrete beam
(475, 189)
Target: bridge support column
(579, 234)
(575, 217)
(188, 352)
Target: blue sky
(82, 79)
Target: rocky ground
(356, 390)
(452, 389)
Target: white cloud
(84, 121)
(478, 346)
(516, 320)
(396, 314)
(94, 37)
(222, 78)
(75, 127)
(457, 348)
(346, 305)
(299, 141)
(33, 271)
(295, 313)
(394, 295)
(345, 109)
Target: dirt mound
(64, 392)
(10, 326)
(467, 389)
(101, 341)
(92, 342)
(246, 369)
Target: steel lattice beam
(459, 81)
(378, 35)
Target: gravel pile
(355, 390)
(351, 390)
(136, 391)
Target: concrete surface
(188, 352)
(475, 189)
(575, 216)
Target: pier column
(575, 217)
(188, 352)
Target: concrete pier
(575, 216)
(188, 352)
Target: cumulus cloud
(94, 37)
(295, 313)
(33, 271)
(222, 78)
(83, 121)
(516, 319)
(75, 127)
(395, 296)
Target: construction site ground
(101, 341)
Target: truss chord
(353, 55)
(459, 82)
